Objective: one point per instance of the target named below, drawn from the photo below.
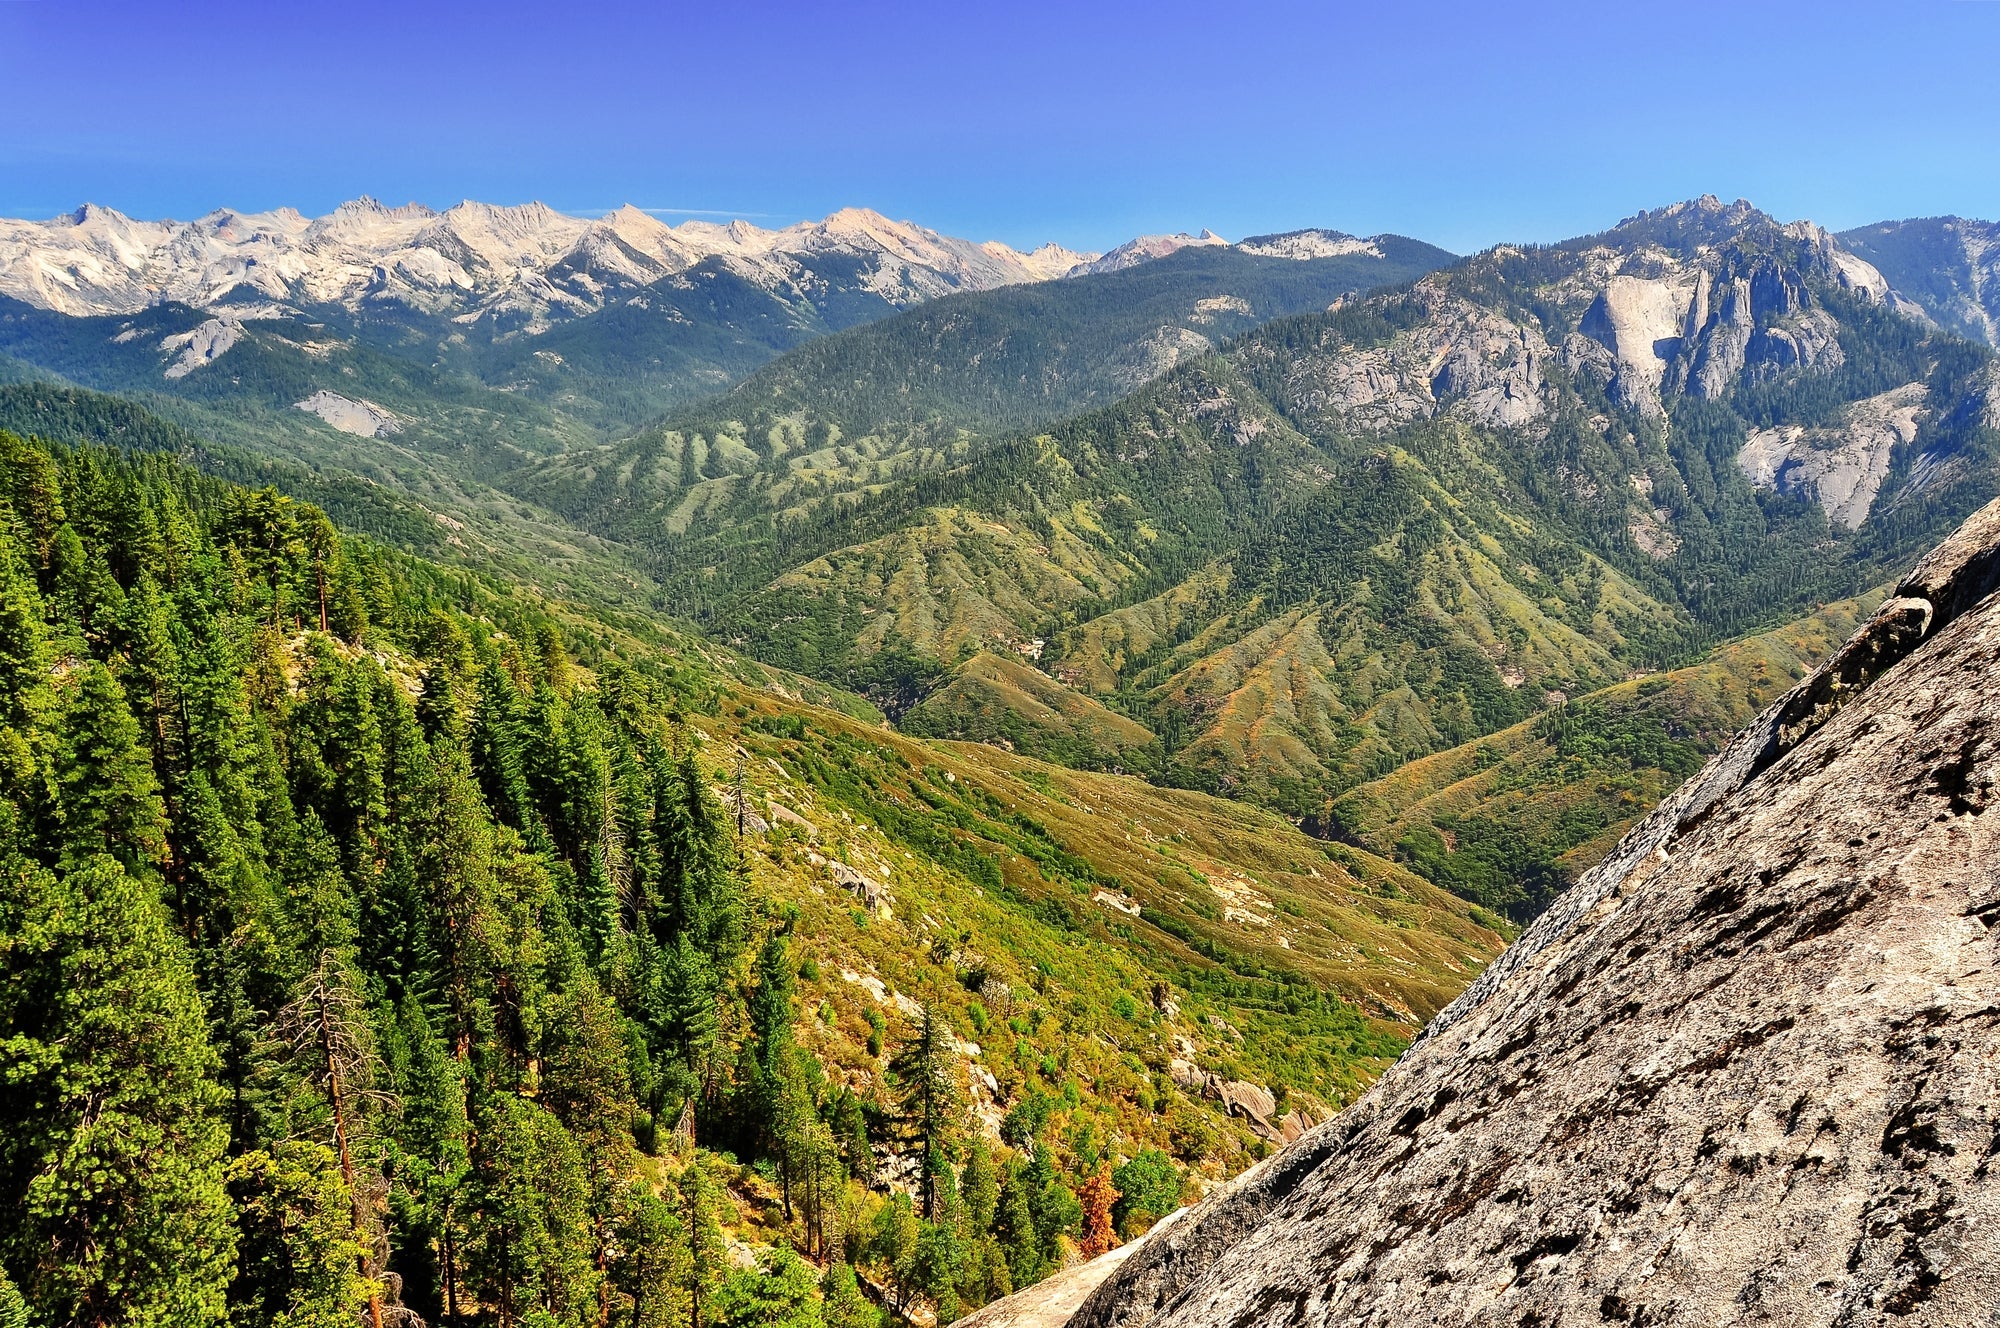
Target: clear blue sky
(1082, 122)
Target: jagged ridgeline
(1356, 538)
(381, 938)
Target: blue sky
(1465, 124)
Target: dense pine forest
(363, 964)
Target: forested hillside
(386, 941)
(405, 918)
(1360, 537)
(499, 434)
(902, 395)
(1950, 266)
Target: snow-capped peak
(1144, 249)
(473, 260)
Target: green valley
(453, 911)
(706, 802)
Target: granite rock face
(1841, 468)
(1690, 300)
(1746, 1071)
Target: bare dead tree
(326, 1030)
(740, 804)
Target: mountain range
(1349, 538)
(930, 756)
(608, 321)
(518, 268)
(1272, 519)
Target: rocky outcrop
(1458, 359)
(1305, 245)
(1053, 1300)
(1745, 1071)
(1724, 342)
(1641, 323)
(1695, 299)
(869, 892)
(1840, 468)
(1254, 1104)
(200, 346)
(363, 419)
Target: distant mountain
(515, 267)
(847, 410)
(1145, 249)
(1949, 265)
(1359, 536)
(607, 322)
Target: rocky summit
(1746, 1071)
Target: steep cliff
(1745, 1071)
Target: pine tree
(650, 1275)
(850, 1131)
(793, 1127)
(113, 1154)
(706, 1250)
(1096, 1198)
(586, 1078)
(979, 1186)
(774, 1112)
(455, 862)
(843, 1303)
(823, 1185)
(893, 1244)
(1149, 1187)
(87, 597)
(1052, 1207)
(779, 1293)
(1014, 1228)
(299, 1262)
(325, 1029)
(26, 701)
(678, 1000)
(109, 799)
(433, 1152)
(926, 1073)
(938, 1258)
(13, 1308)
(531, 1240)
(31, 483)
(586, 1082)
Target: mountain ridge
(477, 260)
(1354, 537)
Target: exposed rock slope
(1950, 265)
(1745, 1071)
(1841, 468)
